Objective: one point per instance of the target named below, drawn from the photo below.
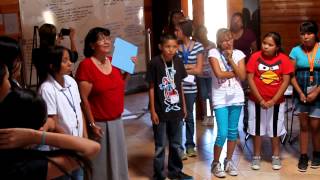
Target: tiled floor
(141, 149)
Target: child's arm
(280, 92)
(217, 70)
(254, 90)
(154, 115)
(239, 69)
(313, 94)
(21, 137)
(197, 68)
(296, 86)
(183, 103)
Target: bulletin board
(124, 18)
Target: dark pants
(166, 128)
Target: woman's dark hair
(47, 34)
(165, 37)
(186, 27)
(10, 51)
(92, 38)
(23, 109)
(3, 72)
(239, 14)
(310, 27)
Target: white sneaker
(217, 170)
(276, 163)
(256, 161)
(230, 168)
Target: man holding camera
(49, 38)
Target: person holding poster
(102, 92)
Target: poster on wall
(124, 18)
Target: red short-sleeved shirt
(268, 74)
(107, 94)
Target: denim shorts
(313, 111)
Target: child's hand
(154, 118)
(263, 104)
(312, 95)
(189, 66)
(184, 112)
(16, 138)
(270, 103)
(303, 98)
(97, 132)
(228, 54)
(134, 59)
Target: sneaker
(256, 161)
(303, 163)
(217, 170)
(315, 163)
(276, 163)
(205, 121)
(191, 152)
(183, 156)
(180, 176)
(230, 168)
(210, 121)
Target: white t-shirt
(226, 92)
(65, 103)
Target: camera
(64, 32)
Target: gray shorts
(313, 111)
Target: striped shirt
(188, 87)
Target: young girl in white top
(61, 94)
(228, 98)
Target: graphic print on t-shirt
(269, 72)
(171, 95)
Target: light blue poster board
(123, 51)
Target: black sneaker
(180, 176)
(303, 163)
(315, 163)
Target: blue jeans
(76, 174)
(205, 84)
(190, 100)
(227, 121)
(167, 129)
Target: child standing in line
(205, 78)
(268, 74)
(167, 107)
(306, 60)
(228, 98)
(191, 53)
(61, 94)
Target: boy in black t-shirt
(167, 107)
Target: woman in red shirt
(102, 92)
